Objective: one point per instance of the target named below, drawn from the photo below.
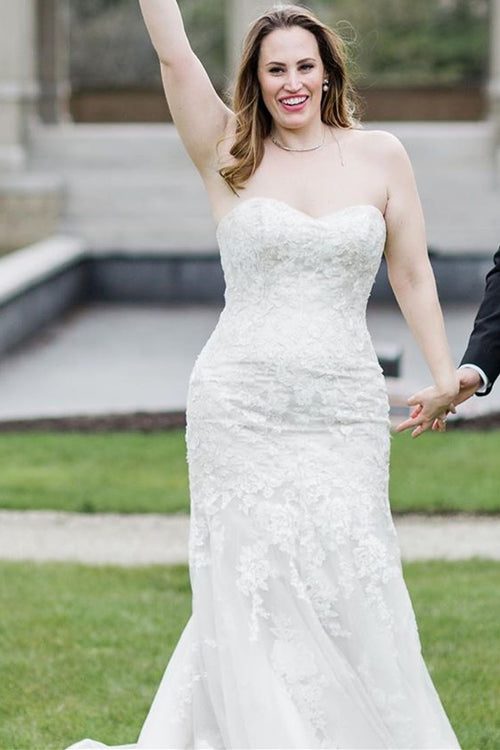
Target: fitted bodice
(296, 286)
(272, 253)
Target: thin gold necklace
(311, 148)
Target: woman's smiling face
(291, 75)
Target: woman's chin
(293, 121)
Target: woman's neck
(307, 137)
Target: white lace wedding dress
(302, 633)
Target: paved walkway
(159, 539)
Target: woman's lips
(294, 103)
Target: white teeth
(295, 100)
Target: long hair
(253, 120)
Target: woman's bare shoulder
(378, 143)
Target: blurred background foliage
(392, 42)
(110, 47)
(413, 42)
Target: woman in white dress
(302, 633)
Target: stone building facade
(34, 95)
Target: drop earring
(325, 85)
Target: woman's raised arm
(199, 114)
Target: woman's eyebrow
(299, 62)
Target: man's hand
(470, 382)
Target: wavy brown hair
(253, 120)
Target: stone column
(29, 203)
(18, 86)
(239, 15)
(53, 60)
(494, 82)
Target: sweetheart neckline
(296, 210)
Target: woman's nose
(293, 81)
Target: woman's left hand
(432, 407)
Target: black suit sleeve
(483, 349)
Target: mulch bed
(134, 422)
(162, 421)
(485, 422)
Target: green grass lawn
(134, 472)
(84, 648)
(122, 472)
(459, 471)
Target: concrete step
(148, 145)
(123, 147)
(134, 233)
(456, 144)
(127, 187)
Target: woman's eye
(304, 66)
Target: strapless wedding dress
(302, 633)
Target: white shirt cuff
(481, 374)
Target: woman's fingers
(422, 427)
(428, 413)
(406, 425)
(421, 422)
(417, 398)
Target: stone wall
(30, 206)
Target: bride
(302, 633)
